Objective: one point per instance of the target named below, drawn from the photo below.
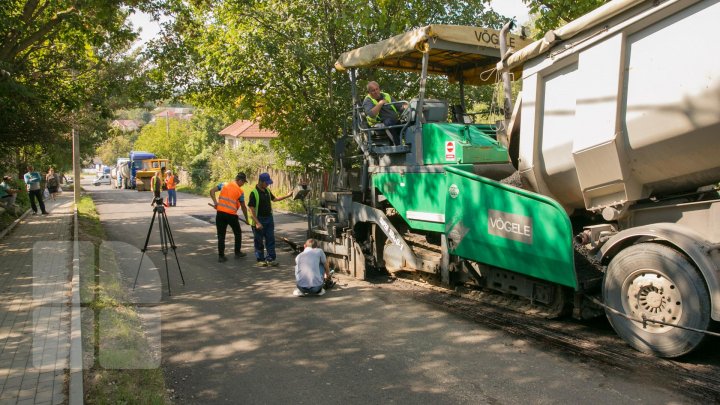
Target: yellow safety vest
(372, 121)
(155, 184)
(254, 192)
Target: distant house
(244, 130)
(126, 125)
(181, 113)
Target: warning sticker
(450, 150)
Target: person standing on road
(53, 182)
(231, 199)
(261, 220)
(156, 184)
(311, 270)
(32, 180)
(171, 183)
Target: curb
(75, 392)
(17, 221)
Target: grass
(120, 371)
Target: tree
(64, 64)
(119, 145)
(180, 141)
(273, 60)
(555, 13)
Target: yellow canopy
(454, 50)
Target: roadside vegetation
(123, 344)
(8, 216)
(73, 69)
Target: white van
(102, 179)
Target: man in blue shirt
(32, 180)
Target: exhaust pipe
(507, 103)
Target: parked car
(102, 179)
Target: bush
(199, 169)
(250, 158)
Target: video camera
(157, 201)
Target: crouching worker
(311, 270)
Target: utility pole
(76, 165)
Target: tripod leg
(172, 244)
(164, 247)
(147, 239)
(137, 273)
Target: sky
(512, 8)
(148, 28)
(508, 8)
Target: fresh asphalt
(235, 334)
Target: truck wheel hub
(654, 297)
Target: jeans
(394, 131)
(310, 290)
(264, 238)
(36, 195)
(222, 220)
(172, 197)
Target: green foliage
(552, 14)
(64, 64)
(200, 168)
(181, 140)
(249, 157)
(273, 60)
(119, 145)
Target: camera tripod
(166, 238)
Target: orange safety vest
(229, 200)
(170, 182)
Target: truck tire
(658, 282)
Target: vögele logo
(510, 226)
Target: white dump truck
(619, 122)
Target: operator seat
(380, 136)
(459, 115)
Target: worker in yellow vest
(261, 220)
(382, 108)
(156, 184)
(231, 199)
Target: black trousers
(222, 220)
(36, 195)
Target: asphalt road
(235, 334)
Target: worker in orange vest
(227, 204)
(171, 182)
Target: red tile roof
(247, 129)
